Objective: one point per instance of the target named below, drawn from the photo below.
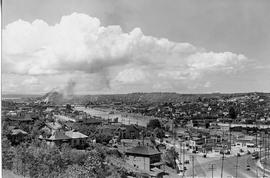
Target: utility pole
(264, 168)
(236, 167)
(260, 146)
(183, 160)
(264, 141)
(192, 158)
(183, 156)
(222, 161)
(212, 168)
(180, 152)
(268, 145)
(230, 130)
(256, 137)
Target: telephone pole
(183, 161)
(222, 161)
(261, 146)
(230, 130)
(236, 167)
(192, 158)
(212, 168)
(268, 145)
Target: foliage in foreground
(39, 160)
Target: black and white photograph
(135, 89)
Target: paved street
(202, 167)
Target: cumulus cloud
(79, 43)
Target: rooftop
(143, 150)
(18, 131)
(59, 135)
(73, 134)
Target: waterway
(123, 117)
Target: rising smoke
(68, 90)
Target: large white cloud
(78, 43)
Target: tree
(159, 133)
(68, 107)
(76, 171)
(232, 113)
(94, 164)
(7, 154)
(170, 156)
(103, 138)
(154, 123)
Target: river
(123, 117)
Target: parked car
(255, 155)
(248, 167)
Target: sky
(120, 46)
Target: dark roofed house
(18, 120)
(144, 157)
(128, 132)
(107, 129)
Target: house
(128, 132)
(16, 135)
(19, 120)
(108, 129)
(144, 157)
(59, 137)
(77, 139)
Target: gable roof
(18, 131)
(73, 134)
(59, 135)
(142, 150)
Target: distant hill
(147, 98)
